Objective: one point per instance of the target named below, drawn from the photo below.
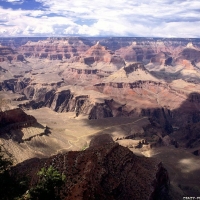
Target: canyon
(58, 94)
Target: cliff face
(105, 170)
(13, 84)
(54, 48)
(8, 54)
(60, 100)
(148, 50)
(67, 101)
(133, 88)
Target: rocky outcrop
(38, 92)
(162, 116)
(88, 60)
(105, 170)
(99, 53)
(132, 72)
(134, 67)
(168, 61)
(15, 119)
(65, 100)
(100, 111)
(191, 54)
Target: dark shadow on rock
(101, 140)
(161, 184)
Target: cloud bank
(144, 18)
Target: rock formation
(13, 116)
(15, 119)
(100, 53)
(190, 54)
(54, 48)
(8, 54)
(68, 99)
(105, 170)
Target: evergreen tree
(50, 181)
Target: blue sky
(137, 18)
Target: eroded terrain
(56, 94)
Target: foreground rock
(105, 170)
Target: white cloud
(178, 18)
(14, 1)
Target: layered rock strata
(8, 54)
(54, 48)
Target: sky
(120, 18)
